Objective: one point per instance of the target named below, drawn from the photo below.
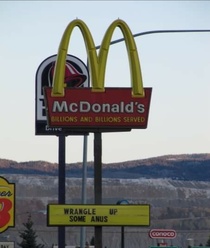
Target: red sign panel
(82, 108)
(162, 234)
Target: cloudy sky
(176, 66)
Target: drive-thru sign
(76, 75)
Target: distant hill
(188, 167)
(177, 188)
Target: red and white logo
(76, 75)
(162, 234)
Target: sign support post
(61, 184)
(122, 228)
(98, 182)
(122, 237)
(84, 180)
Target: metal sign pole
(61, 185)
(122, 237)
(98, 183)
(84, 198)
(122, 228)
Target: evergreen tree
(92, 242)
(208, 242)
(29, 236)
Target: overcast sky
(176, 66)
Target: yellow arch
(98, 63)
(59, 73)
(135, 70)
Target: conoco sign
(162, 234)
(98, 107)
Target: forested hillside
(177, 167)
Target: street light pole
(85, 138)
(159, 32)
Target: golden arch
(98, 63)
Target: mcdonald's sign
(7, 204)
(98, 107)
